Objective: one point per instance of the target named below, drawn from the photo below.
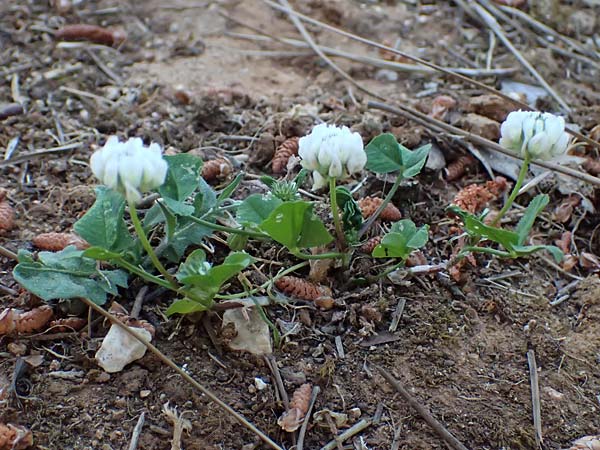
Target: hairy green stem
(378, 211)
(143, 274)
(333, 255)
(341, 240)
(214, 226)
(146, 244)
(515, 191)
(264, 285)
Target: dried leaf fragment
(15, 320)
(369, 205)
(15, 437)
(92, 33)
(299, 288)
(287, 149)
(441, 105)
(216, 169)
(56, 242)
(67, 324)
(291, 419)
(474, 198)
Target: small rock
(491, 106)
(354, 413)
(144, 393)
(259, 383)
(119, 348)
(17, 349)
(481, 126)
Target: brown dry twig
(291, 419)
(56, 242)
(216, 169)
(369, 205)
(15, 320)
(299, 288)
(15, 437)
(475, 197)
(92, 33)
(287, 149)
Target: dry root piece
(15, 320)
(370, 245)
(474, 198)
(299, 288)
(369, 205)
(123, 315)
(456, 169)
(441, 105)
(14, 437)
(67, 324)
(287, 149)
(586, 443)
(216, 169)
(56, 242)
(292, 419)
(7, 214)
(92, 33)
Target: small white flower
(538, 135)
(331, 152)
(129, 167)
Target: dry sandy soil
(186, 78)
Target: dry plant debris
(305, 290)
(369, 205)
(457, 168)
(15, 437)
(67, 324)
(287, 149)
(216, 169)
(291, 419)
(474, 198)
(56, 242)
(7, 214)
(441, 105)
(92, 33)
(15, 320)
(123, 316)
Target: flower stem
(215, 226)
(386, 272)
(146, 244)
(515, 191)
(143, 274)
(332, 255)
(264, 285)
(378, 211)
(336, 215)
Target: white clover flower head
(331, 152)
(129, 167)
(537, 135)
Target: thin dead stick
(497, 29)
(535, 398)
(376, 62)
(310, 41)
(423, 412)
(429, 122)
(423, 62)
(353, 430)
(304, 427)
(522, 15)
(135, 436)
(6, 252)
(46, 151)
(272, 363)
(183, 374)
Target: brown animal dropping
(14, 437)
(456, 169)
(56, 242)
(218, 168)
(293, 417)
(7, 214)
(299, 288)
(369, 205)
(370, 245)
(288, 148)
(12, 319)
(93, 33)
